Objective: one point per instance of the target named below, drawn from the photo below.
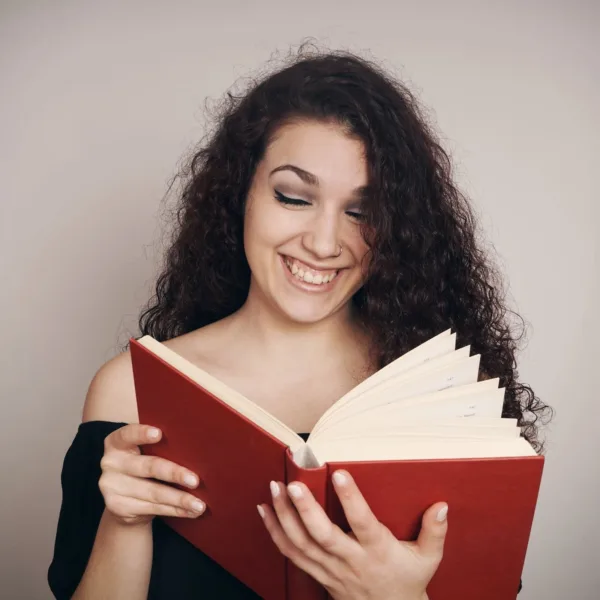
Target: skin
(292, 340)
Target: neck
(272, 334)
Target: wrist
(116, 524)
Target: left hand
(367, 564)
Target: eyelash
(297, 202)
(293, 201)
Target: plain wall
(99, 104)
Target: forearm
(120, 563)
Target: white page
(383, 423)
(461, 372)
(394, 381)
(442, 430)
(482, 398)
(407, 364)
(439, 345)
(421, 448)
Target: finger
(158, 494)
(318, 525)
(154, 467)
(130, 508)
(367, 529)
(289, 549)
(132, 435)
(292, 525)
(433, 531)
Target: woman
(319, 237)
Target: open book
(420, 430)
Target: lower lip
(308, 287)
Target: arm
(121, 558)
(134, 488)
(120, 563)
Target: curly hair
(427, 271)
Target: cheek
(264, 228)
(363, 256)
(359, 246)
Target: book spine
(300, 585)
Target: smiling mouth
(303, 273)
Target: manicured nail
(261, 511)
(153, 433)
(442, 514)
(198, 505)
(339, 478)
(295, 490)
(274, 489)
(190, 480)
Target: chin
(304, 313)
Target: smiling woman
(301, 221)
(319, 237)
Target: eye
(355, 215)
(290, 201)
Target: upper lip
(311, 266)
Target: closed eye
(299, 202)
(287, 200)
(355, 215)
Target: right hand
(130, 496)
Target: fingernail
(261, 511)
(295, 490)
(339, 478)
(442, 514)
(153, 433)
(274, 489)
(190, 480)
(198, 505)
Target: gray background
(100, 101)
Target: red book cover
(491, 507)
(492, 501)
(235, 461)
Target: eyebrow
(360, 193)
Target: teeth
(307, 276)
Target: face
(302, 229)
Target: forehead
(322, 149)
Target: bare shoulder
(111, 395)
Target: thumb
(433, 531)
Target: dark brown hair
(428, 272)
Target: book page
(439, 345)
(481, 399)
(449, 428)
(399, 448)
(412, 383)
(395, 380)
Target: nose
(322, 236)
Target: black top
(179, 570)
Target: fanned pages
(425, 404)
